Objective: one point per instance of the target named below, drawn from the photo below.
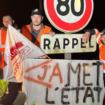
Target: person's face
(103, 38)
(7, 20)
(36, 20)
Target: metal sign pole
(67, 55)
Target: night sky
(20, 10)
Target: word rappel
(66, 44)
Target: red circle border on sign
(69, 26)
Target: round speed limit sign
(69, 15)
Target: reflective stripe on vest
(100, 45)
(2, 44)
(26, 31)
(98, 37)
(101, 48)
(2, 40)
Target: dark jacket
(11, 96)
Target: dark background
(20, 10)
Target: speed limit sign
(69, 15)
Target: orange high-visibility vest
(26, 31)
(3, 34)
(101, 48)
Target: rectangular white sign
(65, 43)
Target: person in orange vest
(100, 39)
(3, 31)
(36, 28)
(13, 97)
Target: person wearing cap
(36, 28)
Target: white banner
(66, 43)
(67, 82)
(17, 49)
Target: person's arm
(87, 34)
(11, 96)
(52, 33)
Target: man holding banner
(36, 28)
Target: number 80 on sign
(69, 15)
